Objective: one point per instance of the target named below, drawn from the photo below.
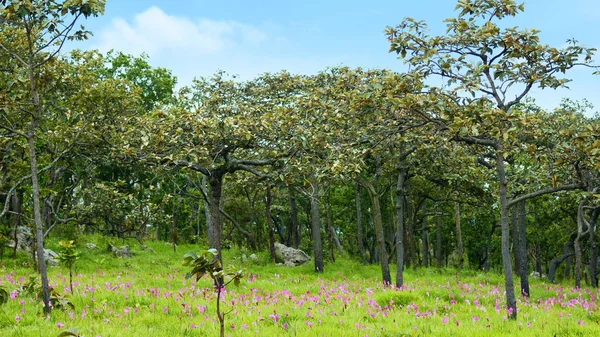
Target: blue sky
(197, 38)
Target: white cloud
(155, 32)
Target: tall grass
(148, 295)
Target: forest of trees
(381, 166)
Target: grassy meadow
(148, 295)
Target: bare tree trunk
(411, 233)
(515, 237)
(315, 220)
(359, 226)
(176, 219)
(330, 229)
(438, 237)
(379, 235)
(17, 203)
(511, 302)
(293, 230)
(459, 241)
(594, 248)
(39, 225)
(215, 229)
(206, 207)
(583, 229)
(270, 225)
(522, 248)
(424, 236)
(400, 199)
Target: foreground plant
(68, 255)
(208, 264)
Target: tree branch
(569, 187)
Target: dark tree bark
(17, 208)
(459, 241)
(176, 220)
(522, 248)
(583, 229)
(315, 221)
(359, 225)
(439, 225)
(511, 302)
(206, 206)
(410, 223)
(488, 249)
(270, 225)
(400, 199)
(378, 224)
(215, 229)
(515, 237)
(293, 230)
(330, 230)
(594, 248)
(424, 236)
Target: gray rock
(146, 248)
(291, 256)
(253, 257)
(51, 256)
(122, 251)
(91, 246)
(25, 239)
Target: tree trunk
(488, 249)
(438, 237)
(293, 230)
(594, 248)
(39, 225)
(330, 229)
(400, 199)
(315, 221)
(379, 236)
(270, 226)
(522, 248)
(175, 220)
(515, 237)
(511, 302)
(17, 207)
(206, 207)
(215, 229)
(424, 236)
(459, 241)
(411, 233)
(359, 227)
(582, 230)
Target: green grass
(148, 295)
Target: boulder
(122, 251)
(51, 256)
(25, 239)
(91, 246)
(253, 257)
(291, 256)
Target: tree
(44, 26)
(220, 126)
(484, 65)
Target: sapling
(68, 255)
(207, 263)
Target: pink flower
(59, 325)
(17, 318)
(445, 320)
